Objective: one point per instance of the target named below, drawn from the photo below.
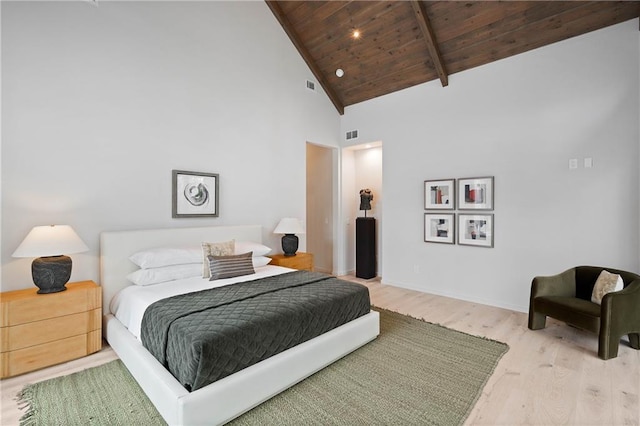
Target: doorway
(361, 169)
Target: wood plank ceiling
(405, 43)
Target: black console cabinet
(366, 247)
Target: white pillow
(247, 246)
(606, 283)
(259, 261)
(166, 256)
(165, 273)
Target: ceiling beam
(306, 55)
(430, 40)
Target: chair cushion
(581, 313)
(606, 283)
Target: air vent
(311, 85)
(353, 134)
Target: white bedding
(130, 303)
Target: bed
(227, 398)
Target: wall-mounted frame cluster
(472, 194)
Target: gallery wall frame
(440, 228)
(194, 194)
(440, 194)
(476, 229)
(476, 193)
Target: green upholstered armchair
(567, 297)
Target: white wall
(101, 103)
(520, 119)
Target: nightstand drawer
(298, 262)
(40, 356)
(302, 261)
(24, 306)
(39, 332)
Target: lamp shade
(289, 225)
(51, 268)
(50, 240)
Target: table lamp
(289, 226)
(49, 244)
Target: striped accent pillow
(230, 266)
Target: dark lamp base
(289, 244)
(51, 273)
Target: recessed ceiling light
(355, 34)
(339, 72)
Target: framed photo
(439, 194)
(194, 194)
(475, 230)
(439, 228)
(475, 193)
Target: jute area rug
(414, 373)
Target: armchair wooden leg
(537, 320)
(634, 340)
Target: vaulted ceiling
(400, 44)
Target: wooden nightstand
(299, 261)
(39, 330)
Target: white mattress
(129, 304)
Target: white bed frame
(225, 399)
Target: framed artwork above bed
(194, 194)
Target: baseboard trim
(481, 301)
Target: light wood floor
(548, 377)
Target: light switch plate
(588, 163)
(573, 163)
